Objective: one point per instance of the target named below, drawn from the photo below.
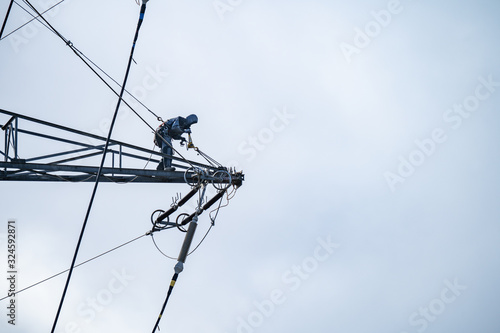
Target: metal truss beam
(50, 166)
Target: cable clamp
(179, 267)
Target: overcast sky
(367, 132)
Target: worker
(172, 129)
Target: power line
(169, 292)
(187, 243)
(39, 15)
(141, 18)
(116, 248)
(80, 264)
(111, 78)
(170, 288)
(81, 55)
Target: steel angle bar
(100, 147)
(76, 158)
(155, 176)
(74, 151)
(55, 138)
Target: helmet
(191, 119)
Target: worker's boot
(168, 165)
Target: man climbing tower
(172, 129)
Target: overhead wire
(84, 58)
(87, 61)
(94, 191)
(112, 79)
(169, 292)
(126, 243)
(78, 265)
(72, 46)
(81, 55)
(208, 158)
(39, 16)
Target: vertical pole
(15, 138)
(113, 161)
(6, 148)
